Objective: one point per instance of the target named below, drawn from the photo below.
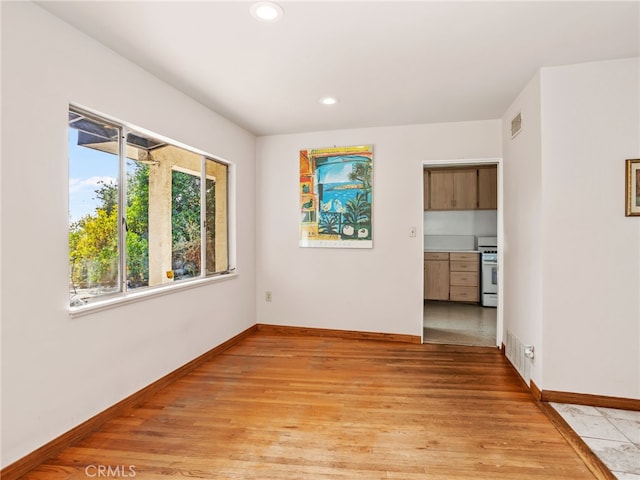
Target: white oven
(489, 279)
(487, 246)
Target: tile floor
(613, 435)
(459, 324)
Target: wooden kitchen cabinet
(425, 188)
(464, 283)
(488, 187)
(436, 276)
(451, 189)
(452, 276)
(441, 189)
(465, 183)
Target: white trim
(132, 128)
(122, 212)
(461, 162)
(137, 296)
(232, 217)
(203, 215)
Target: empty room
(320, 239)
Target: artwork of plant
(329, 223)
(362, 172)
(358, 210)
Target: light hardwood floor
(293, 407)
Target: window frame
(125, 294)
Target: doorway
(455, 314)
(456, 323)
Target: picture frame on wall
(336, 190)
(632, 182)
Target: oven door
(490, 279)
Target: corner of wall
(522, 252)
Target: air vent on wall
(516, 125)
(515, 352)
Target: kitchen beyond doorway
(457, 323)
(462, 205)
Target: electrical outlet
(529, 351)
(267, 296)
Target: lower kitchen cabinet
(436, 276)
(464, 285)
(463, 294)
(451, 276)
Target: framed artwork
(336, 192)
(632, 182)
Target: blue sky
(334, 172)
(337, 169)
(86, 168)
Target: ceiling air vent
(516, 125)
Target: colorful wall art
(335, 197)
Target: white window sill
(137, 296)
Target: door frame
(459, 162)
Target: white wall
(571, 258)
(376, 290)
(58, 371)
(591, 288)
(481, 223)
(522, 249)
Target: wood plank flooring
(292, 407)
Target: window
(142, 212)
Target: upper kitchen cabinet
(453, 189)
(466, 188)
(425, 187)
(488, 187)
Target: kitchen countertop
(443, 250)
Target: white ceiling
(389, 62)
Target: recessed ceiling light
(267, 11)
(328, 100)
